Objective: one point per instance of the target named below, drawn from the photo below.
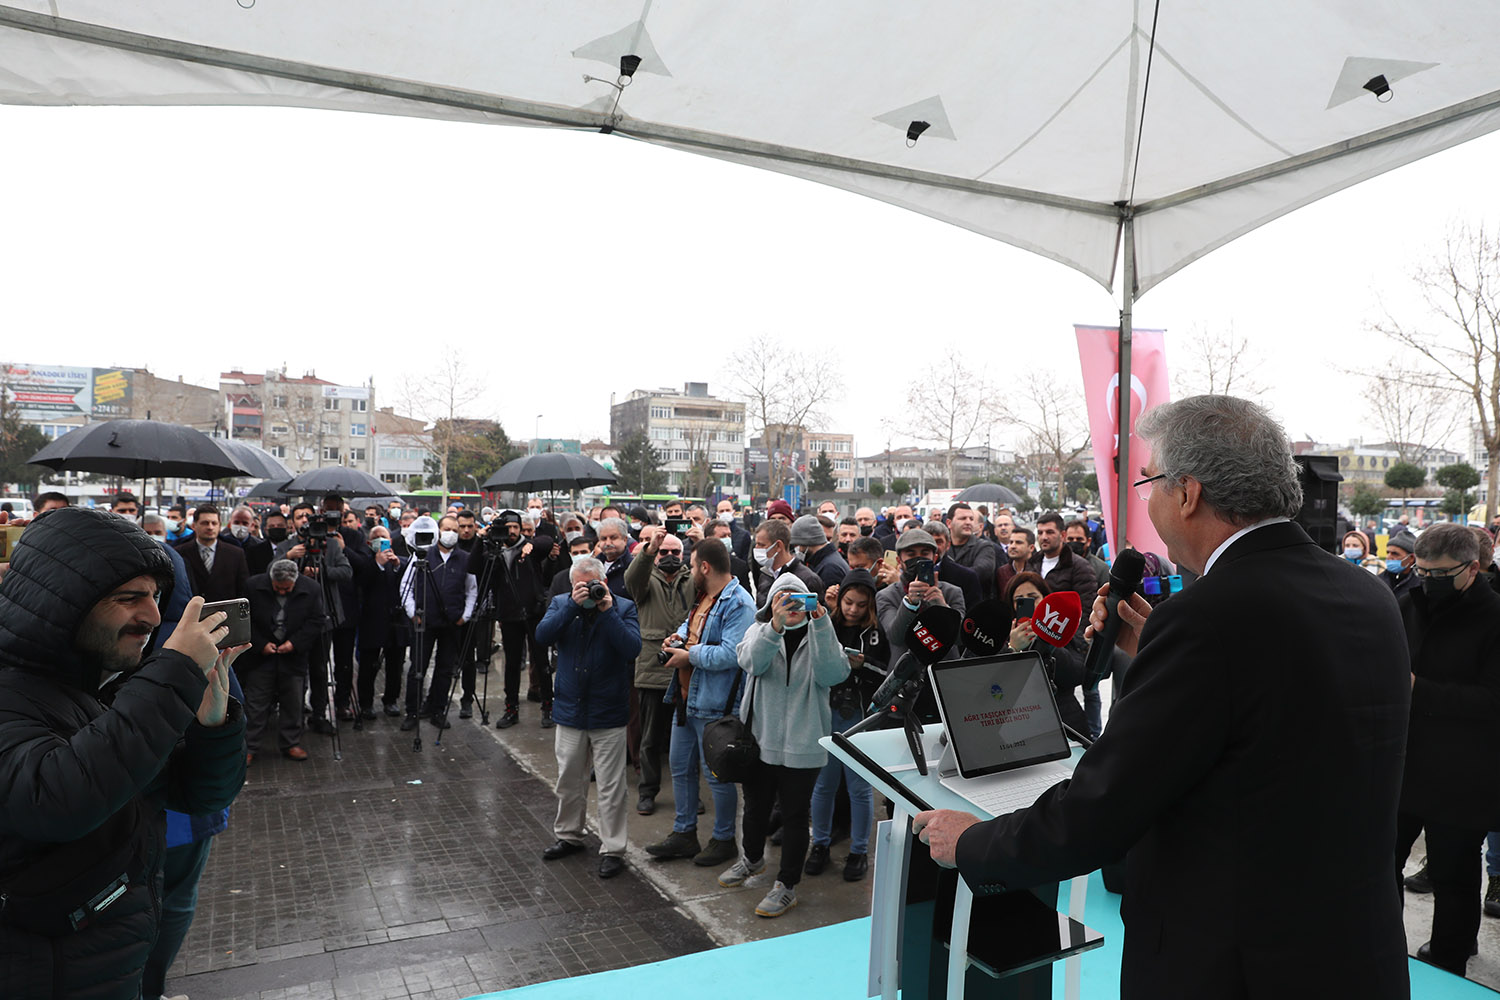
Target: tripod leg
(333, 711)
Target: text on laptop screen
(1000, 714)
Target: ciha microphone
(1124, 580)
(986, 628)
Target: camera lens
(598, 591)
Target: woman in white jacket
(792, 657)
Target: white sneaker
(740, 872)
(780, 899)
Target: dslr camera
(662, 655)
(597, 591)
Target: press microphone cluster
(1124, 580)
(931, 636)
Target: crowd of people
(632, 630)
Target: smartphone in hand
(237, 619)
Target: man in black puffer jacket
(93, 743)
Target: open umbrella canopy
(138, 449)
(988, 493)
(257, 461)
(335, 479)
(270, 489)
(382, 501)
(550, 471)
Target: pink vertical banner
(1099, 354)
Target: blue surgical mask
(1393, 565)
(1354, 554)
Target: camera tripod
(483, 612)
(420, 651)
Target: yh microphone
(1057, 617)
(1124, 580)
(931, 636)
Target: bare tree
(949, 409)
(1415, 419)
(699, 438)
(439, 396)
(1218, 363)
(1456, 347)
(785, 390)
(1053, 415)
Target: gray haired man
(286, 622)
(598, 639)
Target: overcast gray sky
(573, 265)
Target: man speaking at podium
(1256, 741)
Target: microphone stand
(900, 712)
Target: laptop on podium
(1005, 738)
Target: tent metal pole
(1123, 475)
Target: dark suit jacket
(1257, 737)
(304, 620)
(230, 575)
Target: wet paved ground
(394, 874)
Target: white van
(19, 507)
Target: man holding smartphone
(898, 604)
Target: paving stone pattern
(347, 879)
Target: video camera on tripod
(314, 533)
(499, 538)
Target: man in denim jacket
(704, 686)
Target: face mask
(580, 557)
(1393, 566)
(902, 522)
(636, 526)
(448, 539)
(793, 626)
(1439, 589)
(1079, 548)
(844, 549)
(726, 516)
(729, 544)
(240, 531)
(760, 554)
(594, 525)
(276, 534)
(1354, 555)
(867, 530)
(572, 535)
(669, 564)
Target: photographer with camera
(598, 639)
(438, 594)
(705, 671)
(317, 548)
(512, 593)
(661, 587)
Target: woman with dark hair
(855, 623)
(1064, 665)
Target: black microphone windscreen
(986, 627)
(1129, 566)
(933, 633)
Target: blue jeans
(180, 874)
(1492, 854)
(1093, 710)
(685, 753)
(861, 798)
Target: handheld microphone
(1124, 579)
(1057, 617)
(986, 628)
(928, 641)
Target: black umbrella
(257, 461)
(138, 449)
(988, 493)
(270, 489)
(338, 479)
(383, 501)
(550, 471)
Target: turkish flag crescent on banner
(1099, 353)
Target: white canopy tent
(1090, 132)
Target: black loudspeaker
(1319, 515)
